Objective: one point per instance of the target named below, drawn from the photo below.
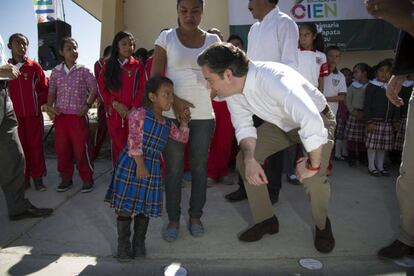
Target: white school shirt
(281, 96)
(275, 38)
(334, 84)
(312, 65)
(183, 70)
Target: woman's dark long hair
(113, 79)
(318, 43)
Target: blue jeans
(201, 132)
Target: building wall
(146, 18)
(349, 59)
(112, 21)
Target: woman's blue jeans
(201, 132)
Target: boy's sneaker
(87, 187)
(64, 186)
(39, 186)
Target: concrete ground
(80, 238)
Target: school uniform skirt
(355, 129)
(129, 194)
(400, 137)
(381, 138)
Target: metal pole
(63, 10)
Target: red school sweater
(29, 91)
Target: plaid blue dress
(132, 195)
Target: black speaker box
(50, 34)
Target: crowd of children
(131, 107)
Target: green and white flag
(48, 10)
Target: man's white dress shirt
(275, 38)
(281, 96)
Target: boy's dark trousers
(12, 158)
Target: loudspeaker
(50, 34)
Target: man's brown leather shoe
(324, 239)
(255, 233)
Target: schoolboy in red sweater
(28, 93)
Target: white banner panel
(304, 10)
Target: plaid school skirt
(129, 194)
(400, 137)
(340, 127)
(355, 129)
(381, 138)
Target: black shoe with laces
(87, 187)
(64, 186)
(32, 212)
(238, 195)
(396, 250)
(39, 186)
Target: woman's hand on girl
(182, 109)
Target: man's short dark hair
(221, 56)
(274, 1)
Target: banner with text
(344, 23)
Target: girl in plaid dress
(378, 112)
(355, 125)
(405, 94)
(136, 188)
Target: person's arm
(180, 134)
(159, 61)
(93, 92)
(323, 72)
(321, 84)
(340, 97)
(135, 140)
(254, 172)
(158, 66)
(9, 71)
(288, 36)
(399, 13)
(246, 135)
(42, 85)
(51, 98)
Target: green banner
(349, 35)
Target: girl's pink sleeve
(136, 132)
(179, 134)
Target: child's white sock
(379, 160)
(371, 159)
